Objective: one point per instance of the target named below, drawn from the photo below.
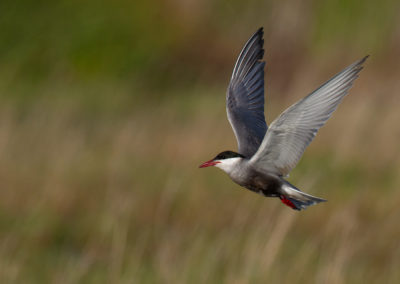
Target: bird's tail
(296, 199)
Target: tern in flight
(266, 155)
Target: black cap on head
(228, 154)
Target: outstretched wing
(245, 96)
(290, 134)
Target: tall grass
(117, 196)
(107, 109)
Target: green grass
(117, 197)
(107, 109)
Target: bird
(265, 154)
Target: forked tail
(296, 199)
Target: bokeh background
(108, 107)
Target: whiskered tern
(266, 155)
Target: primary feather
(289, 134)
(245, 96)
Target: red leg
(287, 202)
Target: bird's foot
(287, 202)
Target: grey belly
(263, 184)
(264, 192)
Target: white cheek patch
(227, 165)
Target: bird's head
(225, 160)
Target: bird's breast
(266, 184)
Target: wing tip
(252, 52)
(259, 35)
(361, 61)
(260, 31)
(358, 66)
(365, 57)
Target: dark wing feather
(245, 96)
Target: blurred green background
(108, 107)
